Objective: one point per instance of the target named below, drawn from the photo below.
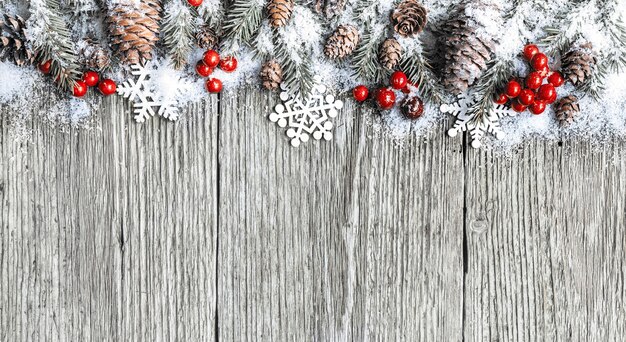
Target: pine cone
(409, 18)
(466, 52)
(206, 37)
(342, 42)
(578, 64)
(279, 12)
(330, 8)
(567, 110)
(12, 41)
(390, 53)
(134, 28)
(413, 107)
(92, 55)
(271, 75)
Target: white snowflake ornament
(469, 121)
(146, 101)
(306, 117)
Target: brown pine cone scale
(271, 75)
(13, 41)
(92, 55)
(206, 37)
(390, 53)
(134, 28)
(279, 12)
(409, 18)
(578, 64)
(567, 110)
(342, 42)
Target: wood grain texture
(95, 238)
(352, 239)
(546, 244)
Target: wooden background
(214, 228)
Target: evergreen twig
(179, 24)
(494, 78)
(51, 40)
(366, 64)
(297, 73)
(242, 22)
(418, 69)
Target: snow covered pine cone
(390, 53)
(342, 42)
(93, 55)
(330, 8)
(409, 18)
(578, 64)
(12, 41)
(567, 110)
(134, 28)
(279, 12)
(206, 37)
(271, 75)
(466, 47)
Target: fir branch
(365, 58)
(365, 10)
(179, 24)
(212, 13)
(297, 73)
(243, 20)
(51, 40)
(418, 69)
(559, 38)
(495, 77)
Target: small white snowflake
(466, 120)
(147, 102)
(307, 117)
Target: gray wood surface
(214, 228)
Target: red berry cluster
(209, 62)
(194, 3)
(540, 85)
(90, 79)
(385, 97)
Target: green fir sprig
(242, 21)
(298, 76)
(51, 40)
(179, 24)
(418, 69)
(365, 58)
(494, 78)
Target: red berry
(228, 64)
(530, 51)
(203, 70)
(518, 107)
(513, 88)
(398, 80)
(546, 92)
(526, 97)
(501, 99)
(544, 72)
(211, 58)
(556, 79)
(45, 67)
(538, 107)
(534, 80)
(214, 85)
(539, 61)
(107, 87)
(552, 99)
(195, 3)
(386, 98)
(360, 93)
(80, 89)
(91, 78)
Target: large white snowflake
(146, 100)
(306, 117)
(466, 120)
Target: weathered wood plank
(109, 233)
(546, 244)
(352, 239)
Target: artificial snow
(23, 89)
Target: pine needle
(179, 24)
(418, 69)
(297, 73)
(243, 20)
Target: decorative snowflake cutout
(466, 120)
(306, 117)
(147, 102)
